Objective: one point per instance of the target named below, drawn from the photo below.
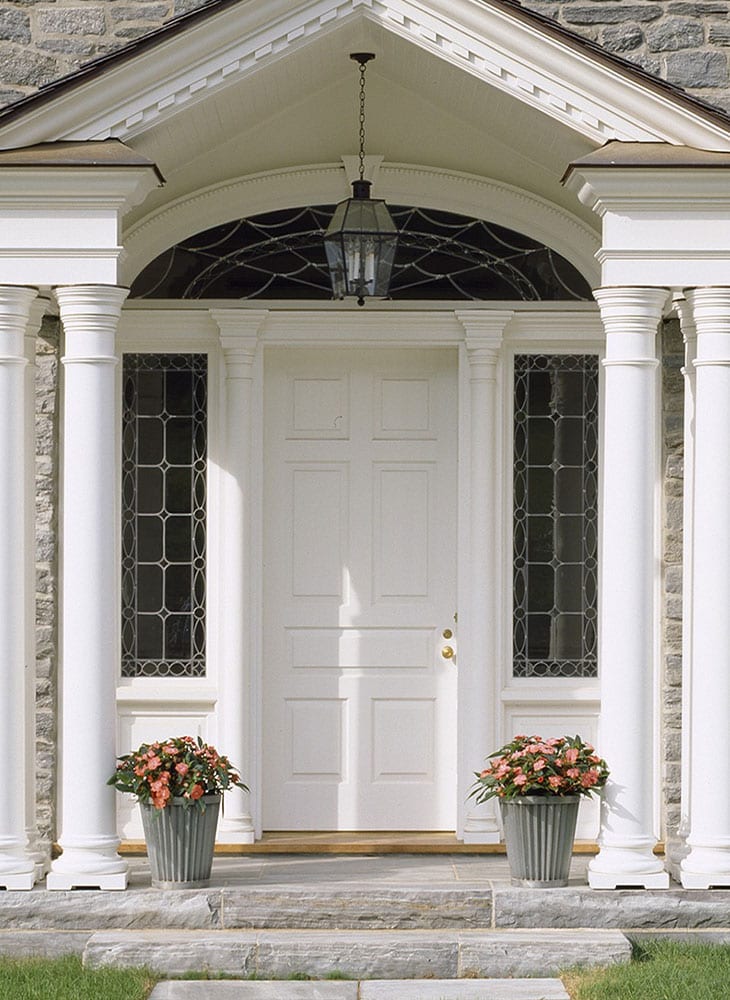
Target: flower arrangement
(530, 765)
(177, 768)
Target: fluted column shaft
(89, 591)
(708, 862)
(627, 589)
(17, 869)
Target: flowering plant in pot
(539, 784)
(178, 783)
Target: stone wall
(685, 43)
(47, 469)
(671, 685)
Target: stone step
(432, 989)
(361, 905)
(358, 954)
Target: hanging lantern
(361, 239)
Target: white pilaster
(479, 631)
(89, 591)
(17, 868)
(708, 863)
(627, 589)
(239, 340)
(41, 858)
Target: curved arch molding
(402, 183)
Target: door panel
(359, 582)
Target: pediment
(299, 48)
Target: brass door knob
(447, 652)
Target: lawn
(662, 970)
(65, 979)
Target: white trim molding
(398, 183)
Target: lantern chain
(363, 66)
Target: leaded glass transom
(555, 515)
(164, 459)
(281, 255)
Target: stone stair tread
(404, 989)
(368, 954)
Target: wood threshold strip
(376, 842)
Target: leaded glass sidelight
(164, 459)
(555, 515)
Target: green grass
(65, 979)
(660, 970)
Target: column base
(627, 865)
(707, 866)
(481, 837)
(604, 880)
(22, 881)
(94, 865)
(235, 832)
(64, 880)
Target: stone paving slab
(41, 944)
(358, 954)
(639, 909)
(356, 907)
(499, 989)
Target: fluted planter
(539, 832)
(180, 842)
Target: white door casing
(359, 723)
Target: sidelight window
(164, 459)
(555, 479)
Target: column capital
(90, 316)
(484, 324)
(239, 324)
(709, 310)
(16, 303)
(625, 304)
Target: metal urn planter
(539, 832)
(180, 842)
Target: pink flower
(196, 791)
(539, 764)
(521, 779)
(573, 772)
(182, 768)
(555, 780)
(571, 755)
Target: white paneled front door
(359, 720)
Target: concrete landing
(475, 989)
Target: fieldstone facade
(684, 43)
(47, 483)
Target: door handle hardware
(447, 652)
(447, 633)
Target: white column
(627, 590)
(41, 858)
(17, 869)
(89, 591)
(239, 330)
(480, 578)
(708, 863)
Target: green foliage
(66, 979)
(177, 768)
(661, 970)
(530, 765)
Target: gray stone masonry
(671, 690)
(47, 414)
(685, 43)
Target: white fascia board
(661, 227)
(62, 225)
(588, 95)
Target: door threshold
(356, 842)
